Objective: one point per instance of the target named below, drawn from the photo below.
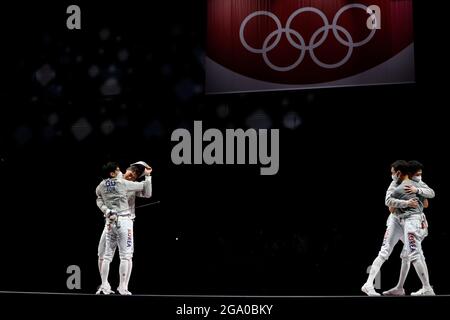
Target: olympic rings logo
(373, 24)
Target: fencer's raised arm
(132, 186)
(425, 191)
(147, 192)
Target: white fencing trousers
(411, 231)
(118, 234)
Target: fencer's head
(141, 163)
(403, 172)
(134, 172)
(130, 175)
(110, 170)
(396, 168)
(140, 168)
(415, 168)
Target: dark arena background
(72, 100)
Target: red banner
(258, 45)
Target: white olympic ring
(300, 44)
